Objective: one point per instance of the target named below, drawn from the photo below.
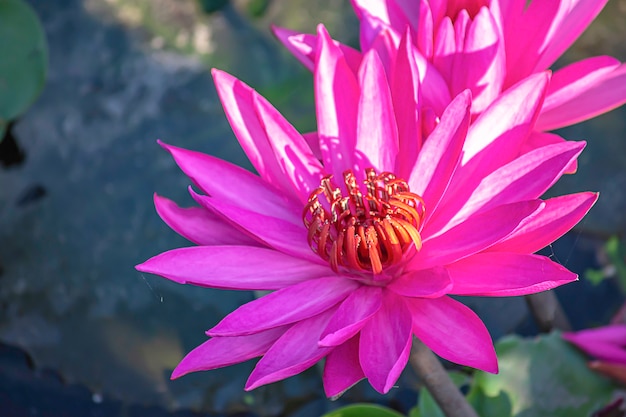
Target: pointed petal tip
(178, 372)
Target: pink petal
(294, 156)
(313, 140)
(228, 182)
(199, 225)
(605, 343)
(405, 92)
(525, 178)
(440, 154)
(497, 134)
(577, 15)
(377, 133)
(541, 139)
(427, 283)
(435, 91)
(271, 230)
(304, 47)
(586, 96)
(336, 99)
(238, 102)
(395, 13)
(287, 305)
(218, 352)
(352, 315)
(558, 216)
(481, 65)
(474, 235)
(572, 80)
(445, 48)
(386, 47)
(296, 351)
(501, 274)
(232, 267)
(342, 369)
(523, 52)
(612, 334)
(385, 343)
(453, 331)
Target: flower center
(364, 231)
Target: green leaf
(543, 376)
(595, 276)
(363, 410)
(489, 406)
(615, 251)
(24, 58)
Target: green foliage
(616, 254)
(539, 377)
(544, 376)
(363, 410)
(212, 6)
(257, 8)
(23, 59)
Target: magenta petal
(273, 231)
(473, 235)
(481, 65)
(218, 352)
(313, 140)
(575, 16)
(440, 154)
(294, 352)
(558, 216)
(613, 334)
(336, 98)
(605, 343)
(526, 177)
(426, 283)
(405, 92)
(342, 368)
(377, 133)
(287, 305)
(453, 331)
(539, 140)
(228, 182)
(294, 156)
(304, 47)
(238, 102)
(585, 98)
(352, 315)
(232, 267)
(497, 134)
(501, 274)
(385, 343)
(199, 225)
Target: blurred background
(81, 332)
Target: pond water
(76, 215)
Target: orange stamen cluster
(364, 231)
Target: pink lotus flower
(362, 230)
(487, 46)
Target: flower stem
(439, 384)
(547, 311)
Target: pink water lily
(487, 46)
(363, 230)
